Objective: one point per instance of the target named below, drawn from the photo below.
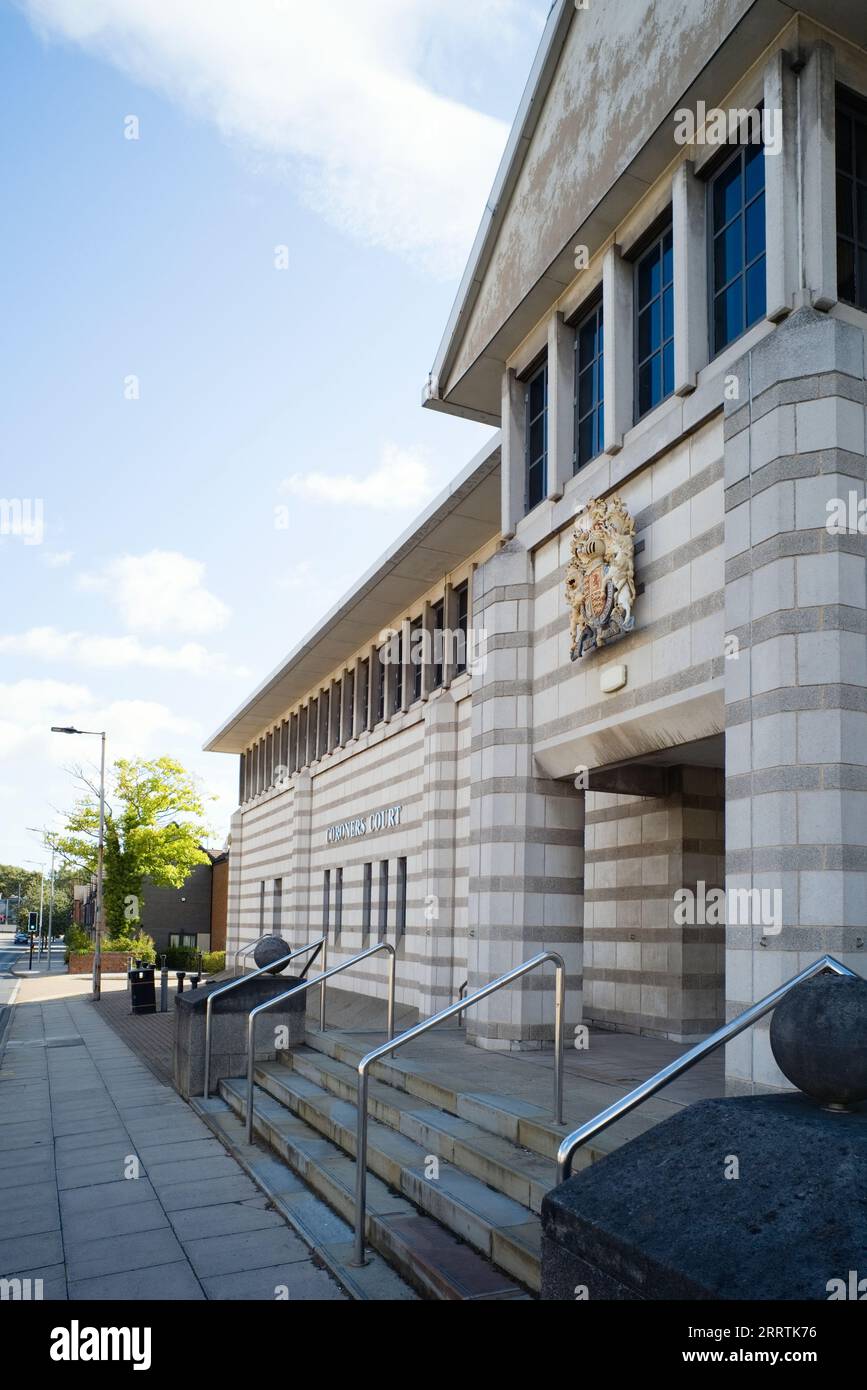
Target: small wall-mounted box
(612, 678)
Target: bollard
(194, 981)
(180, 978)
(164, 988)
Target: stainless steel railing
(649, 1088)
(415, 1032)
(462, 994)
(233, 984)
(245, 951)
(305, 985)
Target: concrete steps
(482, 1152)
(522, 1123)
(438, 1262)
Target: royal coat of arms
(600, 577)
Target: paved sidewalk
(77, 1110)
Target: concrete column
(427, 670)
(618, 365)
(689, 235)
(526, 831)
(296, 897)
(376, 676)
(818, 118)
(512, 453)
(796, 683)
(561, 405)
(439, 805)
(450, 622)
(233, 900)
(404, 670)
(781, 188)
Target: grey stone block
(790, 1223)
(229, 1030)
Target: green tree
(154, 826)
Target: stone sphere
(819, 1039)
(269, 949)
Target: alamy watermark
(23, 517)
(711, 125)
(718, 907)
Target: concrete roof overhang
(474, 391)
(459, 522)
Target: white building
(649, 314)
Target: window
(416, 656)
(654, 300)
(242, 778)
(326, 902)
(852, 201)
(536, 442)
(589, 388)
(186, 940)
(366, 900)
(277, 906)
(294, 735)
(363, 694)
(737, 212)
(438, 623)
(401, 897)
(397, 655)
(338, 902)
(383, 898)
(462, 606)
(324, 722)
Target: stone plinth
(229, 1030)
(660, 1219)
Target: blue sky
(168, 385)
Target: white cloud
(162, 591)
(401, 481)
(58, 559)
(115, 653)
(331, 87)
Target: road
(9, 956)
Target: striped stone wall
(644, 970)
(796, 692)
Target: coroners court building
(608, 695)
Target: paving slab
(75, 1104)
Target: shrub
(213, 962)
(78, 941)
(182, 958)
(140, 946)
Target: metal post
(393, 1044)
(51, 905)
(322, 995)
(164, 987)
(303, 985)
(100, 866)
(41, 902)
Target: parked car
(21, 938)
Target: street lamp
(52, 841)
(97, 952)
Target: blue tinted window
(738, 253)
(589, 388)
(655, 323)
(536, 448)
(852, 201)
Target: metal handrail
(305, 985)
(245, 950)
(648, 1088)
(233, 984)
(394, 1043)
(462, 994)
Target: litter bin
(143, 991)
